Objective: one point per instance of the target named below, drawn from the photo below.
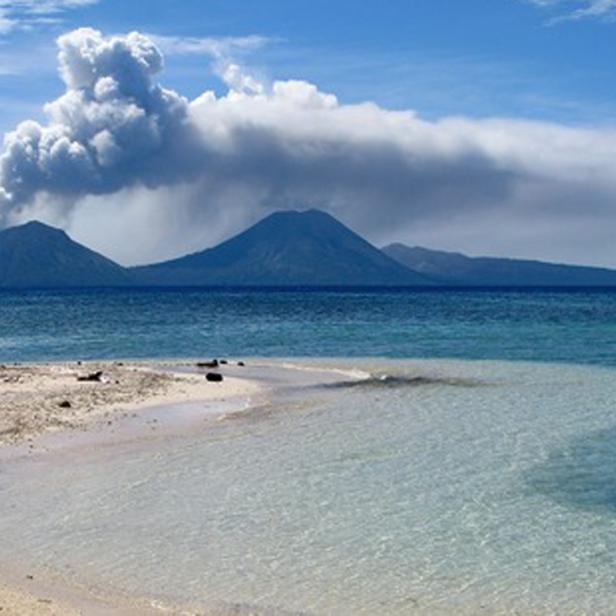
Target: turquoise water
(561, 326)
(484, 487)
(457, 487)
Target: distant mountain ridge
(456, 269)
(285, 249)
(35, 255)
(289, 248)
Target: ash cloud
(185, 174)
(114, 127)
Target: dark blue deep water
(543, 325)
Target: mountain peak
(37, 255)
(287, 248)
(310, 212)
(35, 226)
(298, 248)
(300, 219)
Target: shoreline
(282, 389)
(131, 399)
(134, 402)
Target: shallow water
(486, 487)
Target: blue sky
(489, 126)
(469, 57)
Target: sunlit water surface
(483, 487)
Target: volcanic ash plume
(114, 126)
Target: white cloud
(217, 47)
(224, 52)
(113, 126)
(44, 7)
(27, 14)
(580, 9)
(596, 8)
(182, 174)
(6, 24)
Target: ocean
(473, 473)
(534, 325)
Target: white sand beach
(41, 399)
(14, 603)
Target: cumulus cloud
(113, 127)
(119, 146)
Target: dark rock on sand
(214, 377)
(208, 364)
(92, 377)
(65, 404)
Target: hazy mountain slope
(458, 269)
(36, 255)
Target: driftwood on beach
(92, 377)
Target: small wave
(390, 381)
(353, 373)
